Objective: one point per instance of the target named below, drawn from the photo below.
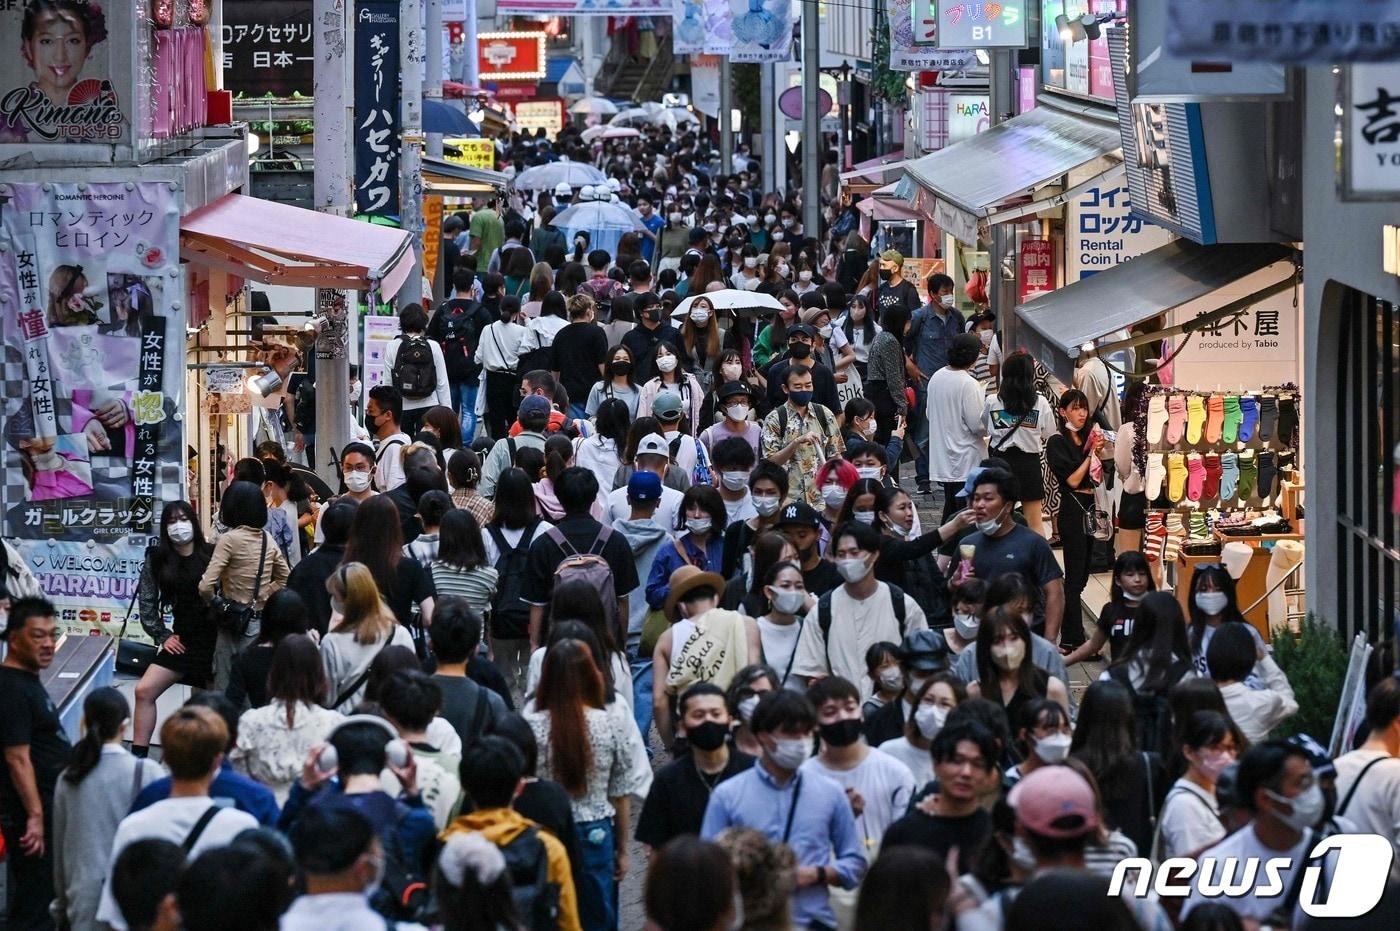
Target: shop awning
(280, 244)
(444, 177)
(1012, 159)
(874, 170)
(885, 204)
(1207, 281)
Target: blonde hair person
(362, 625)
(541, 283)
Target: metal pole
(470, 75)
(726, 117)
(332, 191)
(769, 138)
(1003, 295)
(811, 119)
(411, 63)
(432, 84)
(590, 52)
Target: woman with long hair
(507, 540)
(691, 887)
(1132, 580)
(517, 266)
(725, 368)
(700, 522)
(1019, 422)
(905, 889)
(1213, 602)
(1070, 454)
(935, 697)
(570, 277)
(1132, 504)
(747, 276)
(700, 340)
(772, 339)
(672, 377)
(574, 603)
(1155, 658)
(170, 583)
(1190, 820)
(443, 422)
(708, 272)
(274, 740)
(786, 602)
(284, 616)
(601, 451)
(1005, 674)
(499, 349)
(543, 327)
(583, 749)
(361, 625)
(541, 283)
(746, 589)
(376, 542)
(247, 567)
(835, 478)
(1133, 780)
(617, 382)
(860, 328)
(461, 567)
(90, 799)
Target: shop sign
(914, 39)
(760, 32)
(541, 114)
(1036, 270)
(478, 153)
(1083, 67)
(432, 238)
(583, 8)
(60, 85)
(91, 379)
(377, 118)
(968, 115)
(1296, 32)
(267, 47)
(90, 584)
(1162, 76)
(511, 56)
(1102, 232)
(379, 331)
(1371, 119)
(333, 341)
(1256, 346)
(704, 84)
(974, 24)
(955, 221)
(226, 391)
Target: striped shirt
(478, 585)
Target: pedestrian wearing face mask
(169, 586)
(923, 655)
(1156, 658)
(1190, 819)
(1005, 673)
(805, 810)
(672, 239)
(700, 339)
(1043, 738)
(936, 696)
(1132, 580)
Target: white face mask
(1022, 855)
(967, 625)
(746, 708)
(357, 481)
(868, 471)
(853, 570)
(710, 227)
(698, 525)
(787, 600)
(833, 496)
(986, 336)
(700, 316)
(751, 261)
(929, 719)
(675, 218)
(732, 371)
(783, 271)
(1307, 807)
(788, 222)
(734, 481)
(804, 275)
(777, 235)
(666, 364)
(1212, 602)
(899, 530)
(770, 218)
(180, 531)
(947, 301)
(989, 526)
(891, 679)
(1053, 748)
(791, 752)
(1132, 599)
(825, 331)
(766, 505)
(864, 517)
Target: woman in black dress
(1070, 454)
(170, 585)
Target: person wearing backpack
(506, 539)
(457, 327)
(578, 546)
(1368, 778)
(417, 368)
(469, 707)
(542, 886)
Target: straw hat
(684, 580)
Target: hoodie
(501, 826)
(646, 537)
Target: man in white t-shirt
(653, 455)
(192, 741)
(851, 618)
(1368, 778)
(383, 411)
(957, 435)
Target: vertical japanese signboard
(1372, 133)
(92, 322)
(1037, 268)
(267, 46)
(377, 115)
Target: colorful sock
(1229, 476)
(1231, 428)
(1215, 418)
(1154, 542)
(1249, 418)
(1176, 418)
(1156, 472)
(1156, 418)
(1175, 527)
(1287, 421)
(1211, 490)
(1195, 418)
(1195, 476)
(1249, 474)
(1200, 527)
(1154, 522)
(1176, 476)
(1268, 471)
(1268, 413)
(1172, 548)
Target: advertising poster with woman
(55, 78)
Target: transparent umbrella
(604, 222)
(674, 117)
(594, 106)
(609, 132)
(548, 176)
(743, 303)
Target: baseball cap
(925, 651)
(799, 513)
(892, 255)
(733, 388)
(806, 329)
(534, 404)
(653, 444)
(643, 487)
(1055, 801)
(667, 406)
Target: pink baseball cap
(1055, 801)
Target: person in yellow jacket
(492, 774)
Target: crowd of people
(610, 568)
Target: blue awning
(555, 67)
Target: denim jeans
(918, 420)
(464, 400)
(597, 895)
(641, 695)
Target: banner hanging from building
(267, 46)
(377, 115)
(56, 78)
(583, 7)
(93, 332)
(914, 35)
(688, 20)
(91, 585)
(762, 30)
(1298, 32)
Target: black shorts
(1030, 481)
(1132, 511)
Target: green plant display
(1315, 662)
(885, 84)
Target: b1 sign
(967, 24)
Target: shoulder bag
(235, 617)
(132, 656)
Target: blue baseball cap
(643, 487)
(534, 404)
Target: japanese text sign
(1300, 32)
(1102, 232)
(511, 56)
(1037, 268)
(267, 47)
(377, 117)
(1372, 119)
(969, 24)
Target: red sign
(511, 56)
(512, 91)
(1037, 270)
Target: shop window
(1368, 562)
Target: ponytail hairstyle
(558, 452)
(104, 712)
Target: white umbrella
(673, 117)
(744, 303)
(609, 132)
(645, 113)
(594, 106)
(548, 176)
(604, 222)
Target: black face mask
(886, 274)
(799, 350)
(841, 733)
(708, 736)
(622, 368)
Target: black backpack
(1152, 709)
(404, 893)
(415, 372)
(510, 616)
(304, 408)
(459, 338)
(536, 898)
